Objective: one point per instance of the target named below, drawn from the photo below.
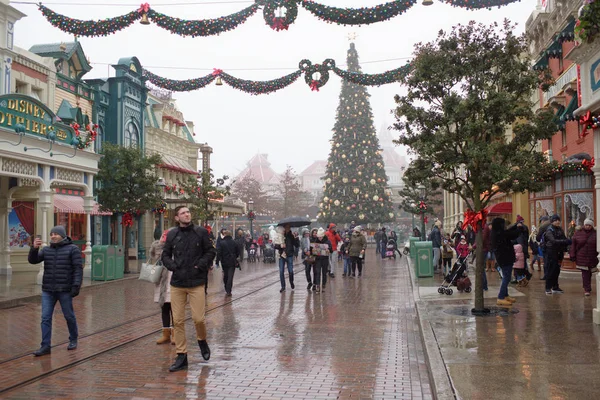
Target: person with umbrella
(286, 255)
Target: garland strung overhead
(278, 14)
(315, 76)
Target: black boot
(42, 351)
(180, 363)
(72, 345)
(204, 349)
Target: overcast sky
(292, 125)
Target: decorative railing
(568, 76)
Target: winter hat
(462, 237)
(544, 219)
(357, 228)
(305, 231)
(555, 217)
(520, 219)
(331, 225)
(320, 233)
(588, 221)
(59, 230)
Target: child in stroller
(269, 253)
(457, 277)
(252, 251)
(390, 249)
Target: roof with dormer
(260, 169)
(63, 51)
(316, 168)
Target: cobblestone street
(357, 339)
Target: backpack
(543, 238)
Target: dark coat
(188, 252)
(501, 242)
(556, 242)
(436, 237)
(228, 252)
(523, 240)
(291, 243)
(63, 265)
(323, 240)
(583, 249)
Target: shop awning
(567, 34)
(74, 205)
(175, 164)
(500, 208)
(567, 115)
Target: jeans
(377, 247)
(49, 300)
(382, 250)
(553, 271)
(290, 266)
(320, 271)
(333, 261)
(307, 270)
(436, 257)
(506, 275)
(347, 266)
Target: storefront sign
(37, 119)
(595, 75)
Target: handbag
(311, 259)
(151, 272)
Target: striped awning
(74, 205)
(177, 165)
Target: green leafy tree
(468, 119)
(204, 194)
(293, 198)
(355, 181)
(248, 188)
(127, 184)
(411, 196)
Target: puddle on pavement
(465, 311)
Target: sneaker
(180, 363)
(558, 291)
(72, 345)
(587, 294)
(204, 349)
(318, 289)
(42, 351)
(309, 286)
(314, 288)
(332, 275)
(292, 285)
(503, 303)
(549, 292)
(282, 290)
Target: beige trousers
(179, 297)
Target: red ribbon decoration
(589, 164)
(144, 8)
(425, 220)
(127, 219)
(422, 205)
(217, 72)
(472, 218)
(314, 85)
(279, 24)
(585, 120)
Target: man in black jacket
(188, 252)
(556, 244)
(227, 254)
(63, 273)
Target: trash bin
(424, 259)
(119, 262)
(103, 263)
(411, 241)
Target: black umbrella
(295, 222)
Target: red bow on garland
(425, 220)
(589, 164)
(127, 219)
(279, 24)
(586, 121)
(217, 72)
(144, 8)
(314, 86)
(472, 218)
(422, 206)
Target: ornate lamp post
(422, 209)
(414, 207)
(251, 216)
(160, 185)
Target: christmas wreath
(278, 22)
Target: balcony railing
(569, 75)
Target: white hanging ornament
(343, 156)
(345, 180)
(375, 197)
(337, 203)
(391, 215)
(373, 181)
(328, 180)
(361, 216)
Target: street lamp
(160, 185)
(422, 192)
(413, 207)
(251, 216)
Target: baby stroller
(406, 250)
(269, 253)
(458, 277)
(252, 252)
(390, 249)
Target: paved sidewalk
(358, 339)
(548, 348)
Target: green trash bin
(424, 259)
(103, 263)
(411, 245)
(119, 262)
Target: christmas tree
(355, 181)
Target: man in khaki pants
(188, 252)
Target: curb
(440, 380)
(11, 303)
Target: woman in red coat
(583, 252)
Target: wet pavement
(548, 348)
(359, 339)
